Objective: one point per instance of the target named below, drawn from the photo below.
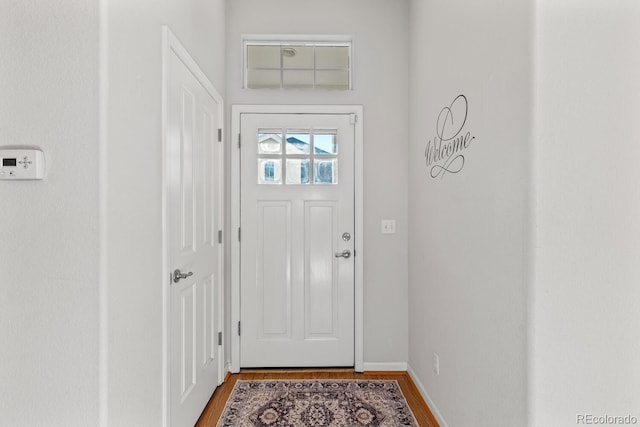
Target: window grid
(314, 160)
(281, 83)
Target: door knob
(344, 254)
(178, 275)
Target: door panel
(321, 291)
(207, 298)
(297, 198)
(187, 344)
(186, 171)
(193, 182)
(273, 269)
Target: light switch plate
(388, 226)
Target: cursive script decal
(444, 153)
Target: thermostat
(21, 163)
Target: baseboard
(227, 371)
(432, 406)
(385, 366)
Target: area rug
(316, 403)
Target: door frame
(171, 45)
(236, 112)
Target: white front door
(297, 240)
(193, 183)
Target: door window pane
(325, 171)
(269, 171)
(324, 142)
(269, 142)
(298, 142)
(297, 171)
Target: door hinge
(219, 135)
(219, 338)
(238, 234)
(219, 236)
(238, 328)
(353, 118)
(239, 140)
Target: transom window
(297, 156)
(294, 64)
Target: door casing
(236, 112)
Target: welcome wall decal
(445, 152)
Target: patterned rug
(316, 403)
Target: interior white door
(297, 240)
(193, 180)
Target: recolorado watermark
(589, 419)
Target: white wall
(467, 258)
(134, 148)
(585, 305)
(49, 229)
(380, 48)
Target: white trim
(291, 38)
(359, 242)
(170, 43)
(385, 366)
(103, 285)
(166, 404)
(236, 111)
(423, 391)
(235, 244)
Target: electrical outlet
(436, 363)
(388, 226)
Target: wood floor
(214, 408)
